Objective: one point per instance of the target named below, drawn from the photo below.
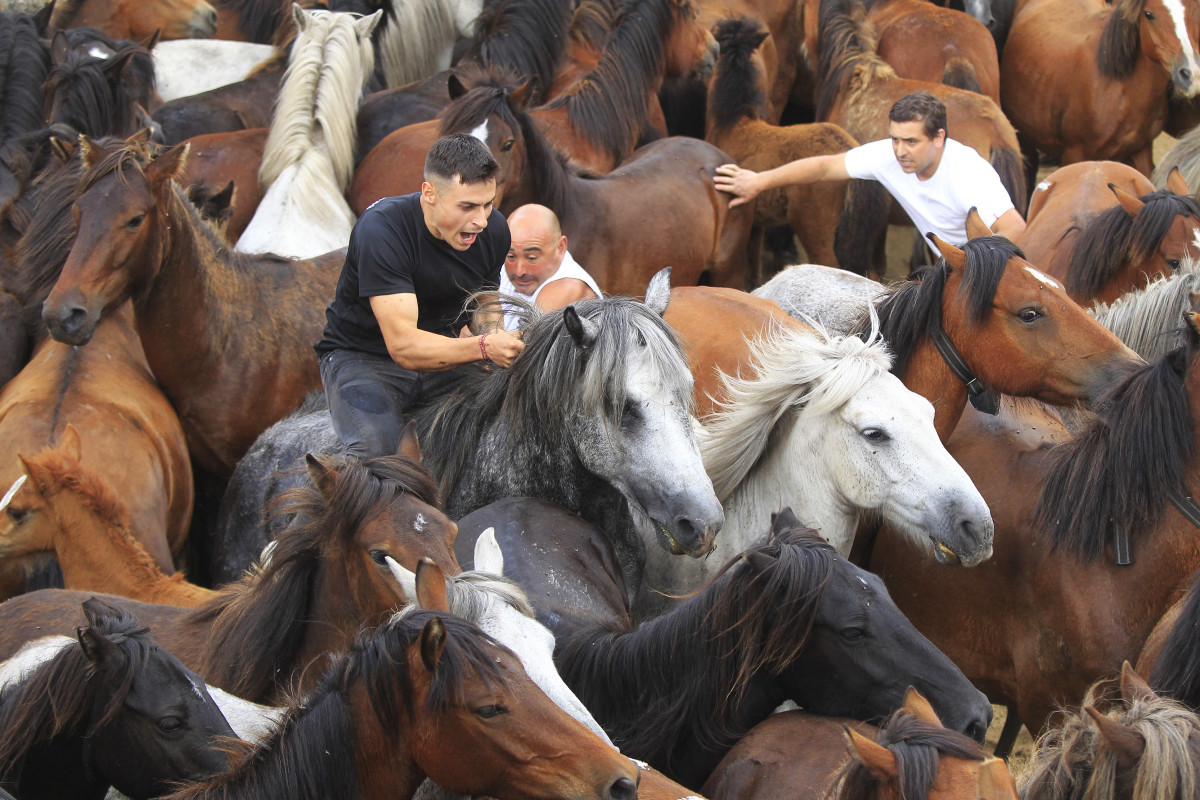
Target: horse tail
(960, 74)
(861, 228)
(1011, 169)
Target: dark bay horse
(326, 579)
(228, 336)
(112, 708)
(426, 694)
(1061, 523)
(1102, 229)
(1118, 56)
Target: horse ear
(139, 137)
(406, 579)
(431, 586)
(153, 40)
(114, 68)
(582, 330)
(1133, 686)
(1175, 182)
(955, 257)
(995, 781)
(71, 444)
(455, 86)
(976, 227)
(60, 48)
(409, 447)
(41, 20)
(488, 555)
(169, 165)
(784, 520)
(658, 292)
(433, 642)
(90, 152)
(1126, 743)
(916, 704)
(1131, 204)
(96, 648)
(321, 475)
(300, 16)
(63, 149)
(366, 25)
(519, 97)
(874, 756)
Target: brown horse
(327, 577)
(426, 694)
(228, 336)
(910, 756)
(68, 509)
(1084, 79)
(1102, 229)
(1138, 746)
(236, 106)
(737, 124)
(215, 159)
(1064, 515)
(108, 393)
(138, 19)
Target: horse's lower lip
(946, 555)
(666, 533)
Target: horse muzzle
(69, 322)
(203, 23)
(687, 536)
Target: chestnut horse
(1084, 79)
(737, 124)
(1064, 515)
(70, 510)
(426, 694)
(138, 19)
(326, 578)
(215, 159)
(1102, 229)
(228, 336)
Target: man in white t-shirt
(936, 179)
(538, 266)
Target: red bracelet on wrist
(482, 349)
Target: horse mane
(754, 617)
(1177, 673)
(794, 372)
(917, 746)
(413, 41)
(1113, 238)
(470, 593)
(24, 64)
(592, 23)
(911, 311)
(1121, 40)
(261, 20)
(524, 37)
(526, 401)
(262, 617)
(549, 171)
(1146, 319)
(1072, 759)
(1120, 470)
(609, 105)
(313, 746)
(847, 53)
(736, 94)
(57, 698)
(318, 100)
(95, 102)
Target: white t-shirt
(569, 268)
(963, 180)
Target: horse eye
(16, 514)
(1173, 263)
(170, 724)
(136, 221)
(874, 435)
(379, 557)
(508, 145)
(852, 634)
(488, 712)
(1029, 314)
(1150, 15)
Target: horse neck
(928, 376)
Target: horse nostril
(686, 531)
(623, 789)
(976, 730)
(1185, 75)
(69, 321)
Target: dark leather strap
(984, 399)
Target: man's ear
(562, 244)
(428, 192)
(941, 131)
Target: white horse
(420, 35)
(309, 156)
(824, 427)
(835, 298)
(184, 67)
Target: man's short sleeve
(385, 257)
(866, 161)
(979, 186)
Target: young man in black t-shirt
(392, 331)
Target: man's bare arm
(422, 351)
(1009, 224)
(747, 185)
(562, 293)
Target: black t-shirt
(392, 252)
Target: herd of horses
(608, 570)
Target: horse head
(1168, 33)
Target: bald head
(538, 247)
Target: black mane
(525, 37)
(100, 96)
(1121, 40)
(24, 64)
(735, 94)
(1177, 673)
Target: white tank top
(569, 268)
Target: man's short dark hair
(920, 107)
(462, 155)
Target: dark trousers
(370, 395)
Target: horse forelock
(487, 97)
(320, 92)
(1121, 468)
(735, 92)
(794, 373)
(987, 259)
(1154, 220)
(24, 64)
(1146, 319)
(917, 746)
(123, 156)
(1072, 759)
(413, 41)
(1121, 39)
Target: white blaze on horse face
(419, 523)
(1043, 277)
(481, 132)
(12, 491)
(1179, 18)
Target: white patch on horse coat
(481, 132)
(1043, 186)
(1043, 277)
(1196, 238)
(95, 51)
(8, 496)
(419, 523)
(1179, 18)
